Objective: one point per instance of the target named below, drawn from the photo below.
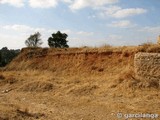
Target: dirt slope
(75, 84)
(72, 60)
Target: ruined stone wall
(147, 66)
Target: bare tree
(34, 40)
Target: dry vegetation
(75, 84)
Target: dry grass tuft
(127, 73)
(83, 90)
(37, 86)
(2, 77)
(26, 114)
(149, 47)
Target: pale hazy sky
(87, 22)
